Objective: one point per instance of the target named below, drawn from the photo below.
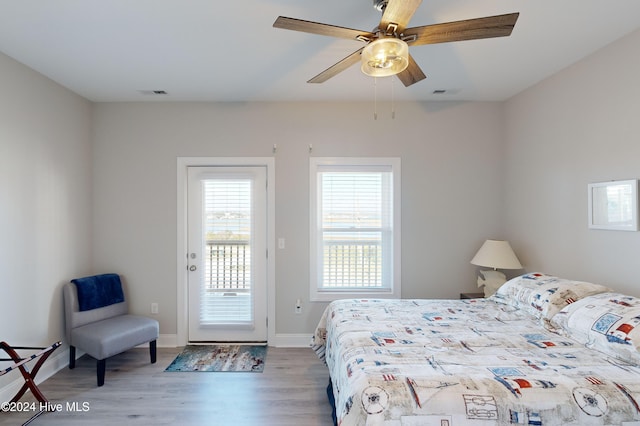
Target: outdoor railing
(352, 263)
(348, 263)
(228, 265)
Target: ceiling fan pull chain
(375, 98)
(393, 100)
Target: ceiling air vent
(153, 92)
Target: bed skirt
(332, 402)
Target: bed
(541, 351)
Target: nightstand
(470, 295)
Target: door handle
(193, 268)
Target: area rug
(220, 358)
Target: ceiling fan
(386, 50)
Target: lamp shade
(496, 254)
(384, 57)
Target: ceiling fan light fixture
(384, 57)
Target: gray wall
(580, 126)
(451, 187)
(45, 203)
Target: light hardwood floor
(290, 391)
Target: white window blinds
(353, 234)
(226, 293)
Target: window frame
(319, 294)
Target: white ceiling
(214, 50)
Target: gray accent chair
(105, 331)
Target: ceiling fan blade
(412, 74)
(322, 29)
(337, 68)
(470, 29)
(398, 12)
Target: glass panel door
(227, 254)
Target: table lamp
(494, 254)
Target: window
(355, 228)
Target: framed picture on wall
(614, 205)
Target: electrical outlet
(154, 308)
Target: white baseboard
(292, 340)
(55, 363)
(167, 341)
(280, 341)
(164, 341)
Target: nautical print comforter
(467, 362)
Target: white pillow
(544, 295)
(608, 322)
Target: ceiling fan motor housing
(380, 4)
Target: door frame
(182, 300)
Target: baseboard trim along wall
(281, 341)
(292, 341)
(55, 363)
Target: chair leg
(72, 357)
(102, 366)
(153, 351)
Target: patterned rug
(220, 358)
